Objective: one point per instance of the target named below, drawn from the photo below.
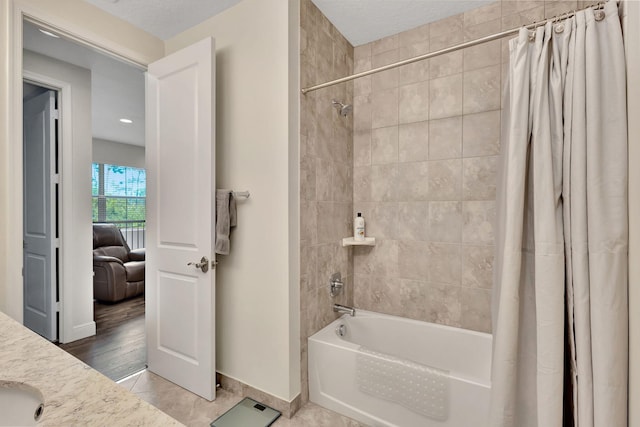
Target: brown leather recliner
(118, 272)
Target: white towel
(225, 219)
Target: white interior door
(180, 163)
(40, 306)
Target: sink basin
(20, 404)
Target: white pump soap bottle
(358, 228)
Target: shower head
(343, 109)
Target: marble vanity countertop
(74, 394)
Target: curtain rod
(464, 45)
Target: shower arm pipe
(444, 51)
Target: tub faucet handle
(335, 284)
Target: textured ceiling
(164, 18)
(117, 89)
(363, 21)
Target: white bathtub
(466, 355)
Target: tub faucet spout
(339, 308)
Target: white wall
(81, 20)
(257, 306)
(116, 153)
(75, 216)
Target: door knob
(202, 265)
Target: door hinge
(55, 114)
(24, 244)
(214, 264)
(59, 306)
(56, 243)
(55, 178)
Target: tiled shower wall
(326, 166)
(426, 140)
(418, 158)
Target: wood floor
(118, 348)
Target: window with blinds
(118, 193)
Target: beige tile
(412, 184)
(342, 182)
(483, 55)
(180, 404)
(308, 266)
(445, 97)
(362, 86)
(410, 298)
(443, 304)
(379, 260)
(477, 266)
(509, 7)
(384, 44)
(334, 221)
(361, 52)
(445, 179)
(414, 103)
(479, 178)
(446, 40)
(478, 220)
(481, 134)
(482, 30)
(362, 184)
(555, 8)
(373, 293)
(324, 56)
(308, 222)
(362, 113)
(384, 180)
(361, 148)
(413, 142)
(414, 35)
(446, 65)
(129, 382)
(445, 222)
(384, 108)
(362, 64)
(307, 179)
(413, 73)
(445, 263)
(385, 79)
(476, 309)
(410, 51)
(384, 145)
(523, 17)
(381, 219)
(452, 24)
(413, 221)
(331, 258)
(324, 173)
(413, 259)
(445, 138)
(482, 90)
(482, 14)
(341, 63)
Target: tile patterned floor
(192, 410)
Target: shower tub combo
(390, 371)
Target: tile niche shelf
(350, 241)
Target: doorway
(111, 91)
(40, 207)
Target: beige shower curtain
(561, 235)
